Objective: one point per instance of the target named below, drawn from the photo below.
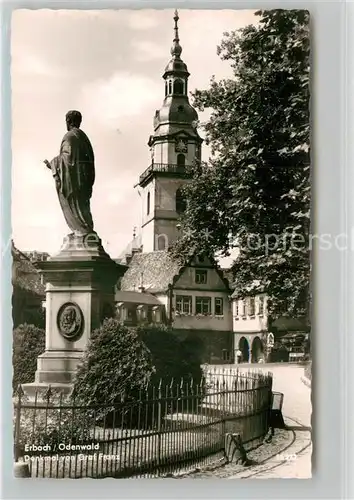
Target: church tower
(174, 146)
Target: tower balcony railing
(170, 168)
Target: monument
(81, 278)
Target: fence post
(21, 469)
(223, 409)
(18, 424)
(159, 415)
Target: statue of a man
(74, 174)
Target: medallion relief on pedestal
(70, 321)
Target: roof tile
(25, 275)
(155, 269)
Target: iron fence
(164, 430)
(170, 168)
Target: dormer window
(201, 276)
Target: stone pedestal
(80, 289)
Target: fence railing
(170, 168)
(163, 430)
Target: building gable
(200, 277)
(201, 273)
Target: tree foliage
(28, 344)
(254, 193)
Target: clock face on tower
(181, 145)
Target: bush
(115, 367)
(28, 344)
(125, 365)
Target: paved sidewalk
(294, 463)
(297, 410)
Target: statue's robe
(75, 169)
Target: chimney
(141, 286)
(135, 248)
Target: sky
(108, 65)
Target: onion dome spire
(176, 49)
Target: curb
(306, 382)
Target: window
(131, 315)
(203, 305)
(166, 88)
(178, 87)
(142, 313)
(162, 242)
(201, 276)
(251, 306)
(156, 314)
(237, 309)
(243, 308)
(120, 311)
(170, 87)
(219, 306)
(180, 201)
(181, 160)
(148, 204)
(184, 304)
(261, 306)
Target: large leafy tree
(254, 193)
